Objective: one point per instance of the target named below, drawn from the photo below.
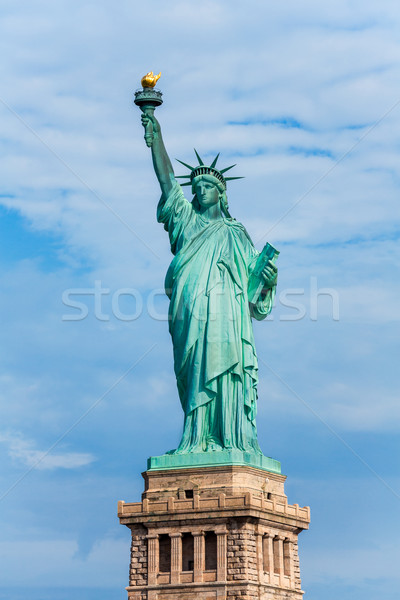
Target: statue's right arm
(161, 162)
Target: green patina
(210, 314)
(213, 459)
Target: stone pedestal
(214, 532)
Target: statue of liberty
(210, 314)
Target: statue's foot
(214, 446)
(190, 450)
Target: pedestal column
(153, 553)
(288, 556)
(269, 556)
(199, 556)
(280, 559)
(260, 556)
(221, 555)
(176, 556)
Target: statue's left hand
(270, 274)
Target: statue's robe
(210, 323)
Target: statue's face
(207, 193)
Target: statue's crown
(202, 169)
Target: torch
(148, 99)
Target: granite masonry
(221, 532)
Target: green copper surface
(210, 316)
(213, 459)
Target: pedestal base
(214, 532)
(214, 459)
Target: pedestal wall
(214, 533)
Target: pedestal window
(211, 551)
(187, 552)
(164, 554)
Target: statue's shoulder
(240, 228)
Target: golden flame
(150, 80)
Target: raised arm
(161, 162)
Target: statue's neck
(211, 213)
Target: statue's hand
(270, 274)
(151, 126)
(146, 119)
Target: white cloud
(55, 562)
(24, 451)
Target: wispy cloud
(25, 452)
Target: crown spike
(214, 162)
(230, 178)
(185, 164)
(226, 169)
(186, 183)
(198, 157)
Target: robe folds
(215, 358)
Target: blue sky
(305, 97)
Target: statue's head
(208, 184)
(208, 190)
